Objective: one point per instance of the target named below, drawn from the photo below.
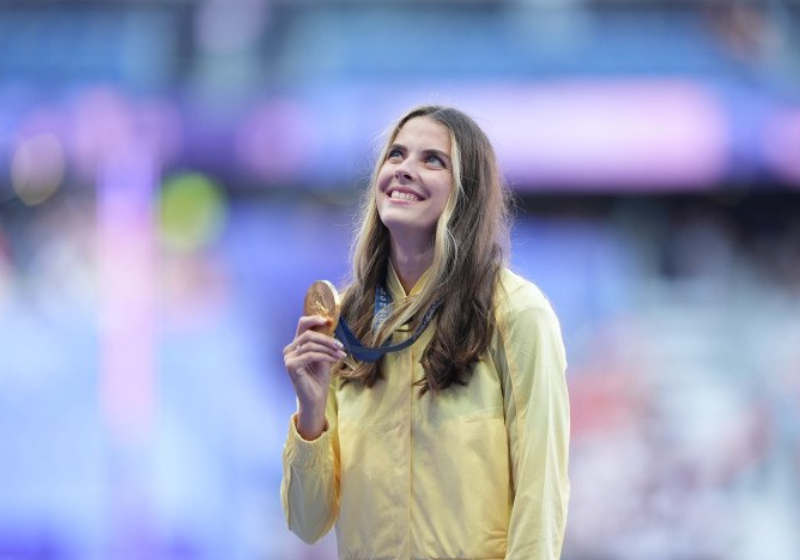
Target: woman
(456, 446)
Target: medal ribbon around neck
(381, 312)
(323, 299)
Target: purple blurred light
(613, 136)
(621, 135)
(103, 125)
(125, 216)
(277, 140)
(781, 144)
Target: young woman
(457, 445)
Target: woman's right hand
(308, 359)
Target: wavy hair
(470, 246)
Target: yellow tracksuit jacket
(476, 472)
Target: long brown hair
(470, 247)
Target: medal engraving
(323, 299)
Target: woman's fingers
(311, 340)
(310, 322)
(307, 352)
(312, 347)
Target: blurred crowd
(681, 318)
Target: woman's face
(415, 181)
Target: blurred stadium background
(174, 174)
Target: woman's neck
(410, 262)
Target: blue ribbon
(382, 310)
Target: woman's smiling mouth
(409, 196)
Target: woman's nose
(403, 171)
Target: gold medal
(323, 299)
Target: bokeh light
(193, 212)
(37, 168)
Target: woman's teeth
(399, 195)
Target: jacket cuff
(302, 453)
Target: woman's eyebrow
(435, 152)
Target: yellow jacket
(475, 472)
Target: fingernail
(339, 344)
(341, 353)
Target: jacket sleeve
(533, 367)
(310, 486)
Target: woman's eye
(436, 160)
(394, 154)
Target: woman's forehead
(424, 130)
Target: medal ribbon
(382, 310)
